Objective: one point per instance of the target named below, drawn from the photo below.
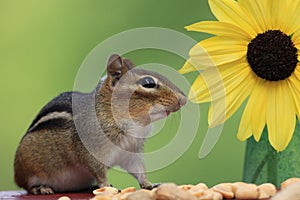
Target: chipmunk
(77, 137)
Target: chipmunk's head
(142, 95)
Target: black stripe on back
(61, 103)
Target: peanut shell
(106, 190)
(266, 190)
(288, 182)
(185, 187)
(245, 190)
(103, 197)
(129, 189)
(170, 191)
(64, 198)
(291, 192)
(198, 190)
(140, 194)
(199, 186)
(211, 195)
(225, 189)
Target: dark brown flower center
(272, 55)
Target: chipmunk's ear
(128, 63)
(117, 67)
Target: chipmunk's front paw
(151, 186)
(42, 189)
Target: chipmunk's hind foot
(42, 189)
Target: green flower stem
(258, 169)
(272, 166)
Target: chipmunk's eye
(148, 82)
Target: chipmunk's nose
(182, 100)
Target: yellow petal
(207, 54)
(199, 59)
(257, 107)
(220, 29)
(229, 11)
(220, 45)
(297, 72)
(276, 14)
(296, 41)
(245, 131)
(187, 67)
(292, 22)
(199, 92)
(280, 115)
(294, 85)
(256, 9)
(221, 110)
(211, 83)
(296, 37)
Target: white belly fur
(72, 178)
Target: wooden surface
(22, 195)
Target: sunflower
(255, 50)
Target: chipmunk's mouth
(160, 111)
(154, 116)
(168, 113)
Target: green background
(44, 42)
